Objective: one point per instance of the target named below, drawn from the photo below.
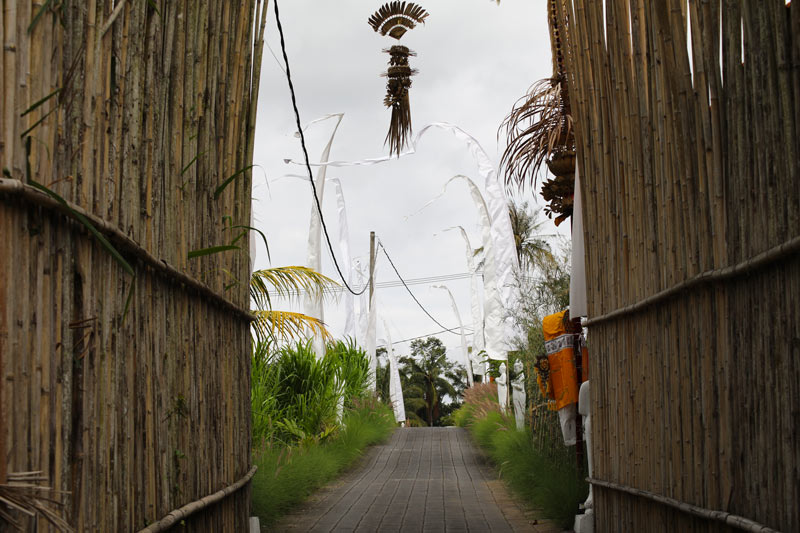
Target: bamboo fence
(124, 379)
(686, 116)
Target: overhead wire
(385, 284)
(450, 330)
(305, 155)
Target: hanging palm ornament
(395, 19)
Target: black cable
(305, 154)
(420, 337)
(412, 294)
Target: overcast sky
(475, 59)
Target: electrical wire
(421, 337)
(450, 330)
(384, 284)
(305, 154)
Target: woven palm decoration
(395, 19)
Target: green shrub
(288, 475)
(542, 473)
(294, 395)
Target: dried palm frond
(396, 18)
(397, 85)
(538, 127)
(23, 493)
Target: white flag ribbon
(577, 279)
(313, 306)
(395, 385)
(344, 247)
(467, 362)
(476, 308)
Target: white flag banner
(467, 362)
(499, 326)
(395, 385)
(476, 308)
(577, 279)
(313, 306)
(344, 247)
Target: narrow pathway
(423, 479)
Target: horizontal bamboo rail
(740, 522)
(762, 260)
(35, 196)
(190, 508)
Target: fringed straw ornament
(395, 19)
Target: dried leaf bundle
(395, 19)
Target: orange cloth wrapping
(562, 377)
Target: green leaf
(83, 220)
(228, 181)
(38, 15)
(190, 163)
(211, 250)
(263, 237)
(40, 102)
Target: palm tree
(427, 377)
(286, 282)
(532, 249)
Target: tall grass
(543, 474)
(295, 395)
(287, 475)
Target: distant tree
(427, 377)
(532, 249)
(382, 374)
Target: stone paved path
(423, 479)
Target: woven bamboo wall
(691, 179)
(134, 415)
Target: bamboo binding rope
(740, 522)
(11, 186)
(190, 508)
(761, 260)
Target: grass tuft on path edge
(287, 476)
(544, 478)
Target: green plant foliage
(295, 395)
(288, 475)
(427, 377)
(541, 472)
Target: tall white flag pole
(344, 247)
(476, 308)
(313, 306)
(395, 385)
(467, 362)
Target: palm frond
(537, 127)
(287, 282)
(279, 326)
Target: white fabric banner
(467, 362)
(578, 305)
(344, 259)
(395, 385)
(313, 306)
(499, 326)
(476, 308)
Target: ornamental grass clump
(288, 475)
(542, 473)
